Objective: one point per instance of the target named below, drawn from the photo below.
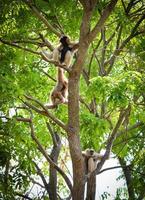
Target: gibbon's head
(64, 40)
(89, 152)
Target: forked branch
(44, 153)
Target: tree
(105, 105)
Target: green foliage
(116, 91)
(23, 73)
(93, 130)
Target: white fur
(91, 165)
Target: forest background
(106, 100)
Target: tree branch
(46, 42)
(54, 62)
(41, 70)
(35, 182)
(106, 13)
(109, 168)
(111, 140)
(44, 153)
(36, 53)
(23, 196)
(41, 17)
(52, 134)
(138, 124)
(42, 177)
(118, 50)
(19, 47)
(44, 112)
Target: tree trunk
(74, 139)
(91, 187)
(127, 174)
(52, 171)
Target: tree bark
(73, 111)
(74, 139)
(91, 187)
(128, 177)
(52, 171)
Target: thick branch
(20, 119)
(111, 140)
(102, 20)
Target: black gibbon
(91, 158)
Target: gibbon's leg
(64, 91)
(57, 98)
(55, 55)
(68, 59)
(91, 165)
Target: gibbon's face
(64, 40)
(91, 152)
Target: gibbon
(60, 92)
(91, 158)
(64, 52)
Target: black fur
(65, 48)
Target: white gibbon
(91, 159)
(63, 53)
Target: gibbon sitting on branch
(64, 52)
(91, 158)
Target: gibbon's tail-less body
(59, 93)
(65, 49)
(63, 52)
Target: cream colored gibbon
(91, 159)
(60, 92)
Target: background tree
(105, 103)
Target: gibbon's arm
(74, 46)
(46, 56)
(98, 156)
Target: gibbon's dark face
(91, 151)
(63, 40)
